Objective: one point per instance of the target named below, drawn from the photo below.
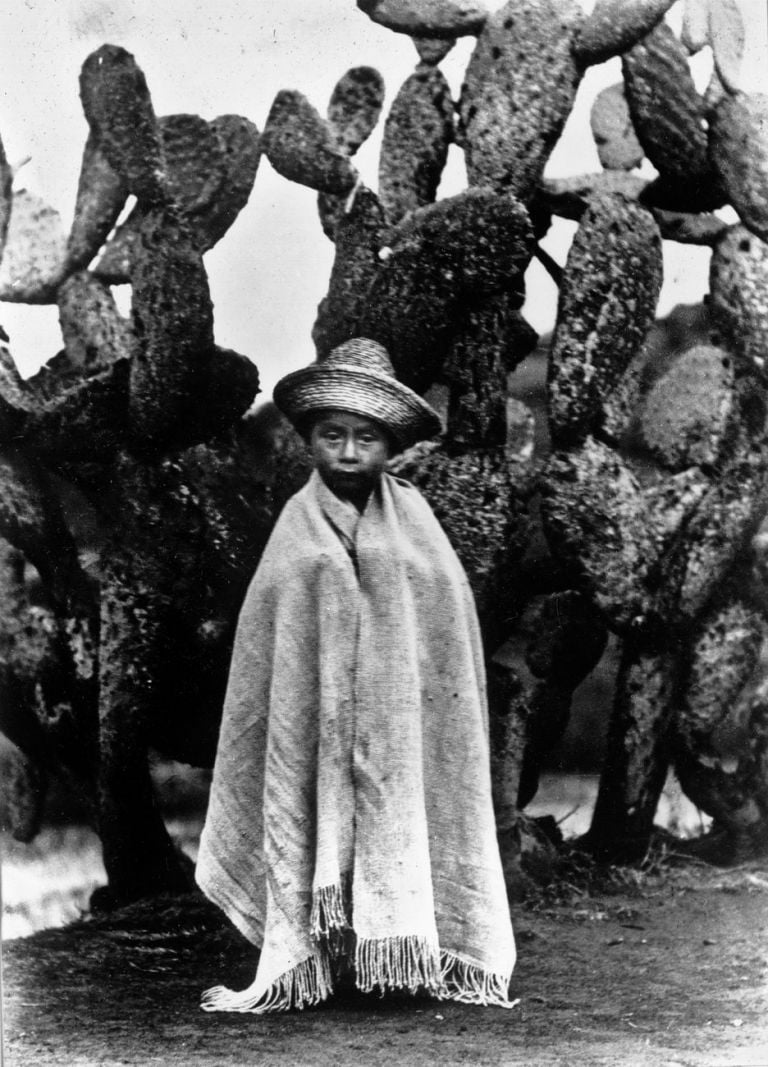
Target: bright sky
(270, 271)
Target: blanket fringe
(411, 963)
(330, 911)
(306, 984)
(470, 984)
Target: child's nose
(349, 451)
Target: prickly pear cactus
(635, 512)
(131, 482)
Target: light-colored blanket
(350, 808)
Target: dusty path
(673, 971)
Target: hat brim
(346, 387)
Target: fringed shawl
(350, 807)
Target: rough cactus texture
(462, 248)
(228, 150)
(624, 494)
(432, 49)
(596, 520)
(689, 410)
(417, 133)
(428, 18)
(518, 91)
(613, 26)
(35, 250)
(301, 145)
(738, 283)
(724, 659)
(101, 195)
(355, 106)
(353, 111)
(359, 237)
(626, 800)
(739, 148)
(119, 110)
(492, 341)
(668, 115)
(607, 302)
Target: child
(350, 828)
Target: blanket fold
(350, 809)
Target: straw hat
(358, 377)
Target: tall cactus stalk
(136, 484)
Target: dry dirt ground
(667, 967)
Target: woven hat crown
(357, 376)
(361, 352)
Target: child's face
(349, 452)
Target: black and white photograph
(384, 533)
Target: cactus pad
(469, 246)
(595, 520)
(355, 106)
(302, 146)
(518, 91)
(689, 409)
(612, 129)
(668, 116)
(35, 252)
(613, 26)
(94, 332)
(417, 133)
(739, 147)
(428, 18)
(101, 194)
(607, 302)
(738, 282)
(119, 110)
(359, 236)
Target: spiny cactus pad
(723, 659)
(607, 302)
(595, 520)
(94, 331)
(173, 321)
(301, 145)
(738, 283)
(464, 247)
(355, 106)
(717, 534)
(473, 493)
(101, 194)
(668, 116)
(518, 91)
(414, 149)
(432, 49)
(491, 341)
(35, 252)
(240, 145)
(739, 147)
(690, 408)
(210, 167)
(613, 26)
(359, 236)
(119, 110)
(428, 18)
